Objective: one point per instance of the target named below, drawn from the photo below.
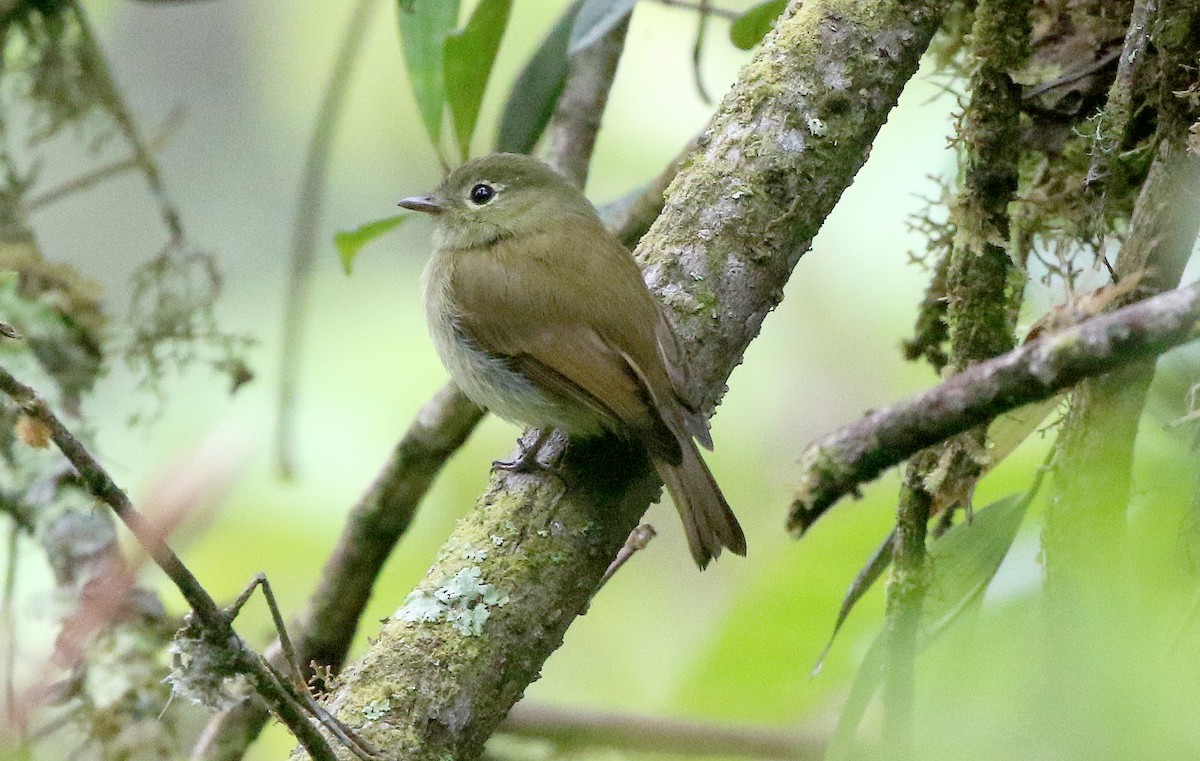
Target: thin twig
(644, 734)
(638, 540)
(698, 7)
(704, 10)
(835, 466)
(306, 226)
(111, 95)
(89, 179)
(207, 614)
(1072, 77)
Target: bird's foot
(527, 461)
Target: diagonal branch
(785, 143)
(836, 465)
(212, 621)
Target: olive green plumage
(541, 315)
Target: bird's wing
(550, 326)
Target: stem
(834, 466)
(644, 734)
(309, 206)
(576, 120)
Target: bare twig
(704, 10)
(836, 465)
(698, 7)
(212, 620)
(99, 175)
(1072, 77)
(639, 539)
(307, 223)
(644, 734)
(631, 216)
(115, 104)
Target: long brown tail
(707, 519)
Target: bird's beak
(426, 204)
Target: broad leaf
(424, 25)
(350, 242)
(748, 29)
(531, 101)
(594, 20)
(469, 56)
(963, 562)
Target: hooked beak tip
(424, 204)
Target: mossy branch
(983, 293)
(1086, 514)
(783, 146)
(836, 465)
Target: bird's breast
(486, 378)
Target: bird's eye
(482, 193)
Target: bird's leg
(527, 461)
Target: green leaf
(595, 19)
(424, 25)
(469, 56)
(963, 562)
(748, 29)
(880, 560)
(531, 102)
(350, 242)
(966, 557)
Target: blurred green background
(733, 644)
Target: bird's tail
(707, 519)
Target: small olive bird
(541, 316)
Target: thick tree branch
(785, 143)
(836, 465)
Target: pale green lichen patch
(377, 709)
(463, 601)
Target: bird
(541, 316)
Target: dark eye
(482, 193)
